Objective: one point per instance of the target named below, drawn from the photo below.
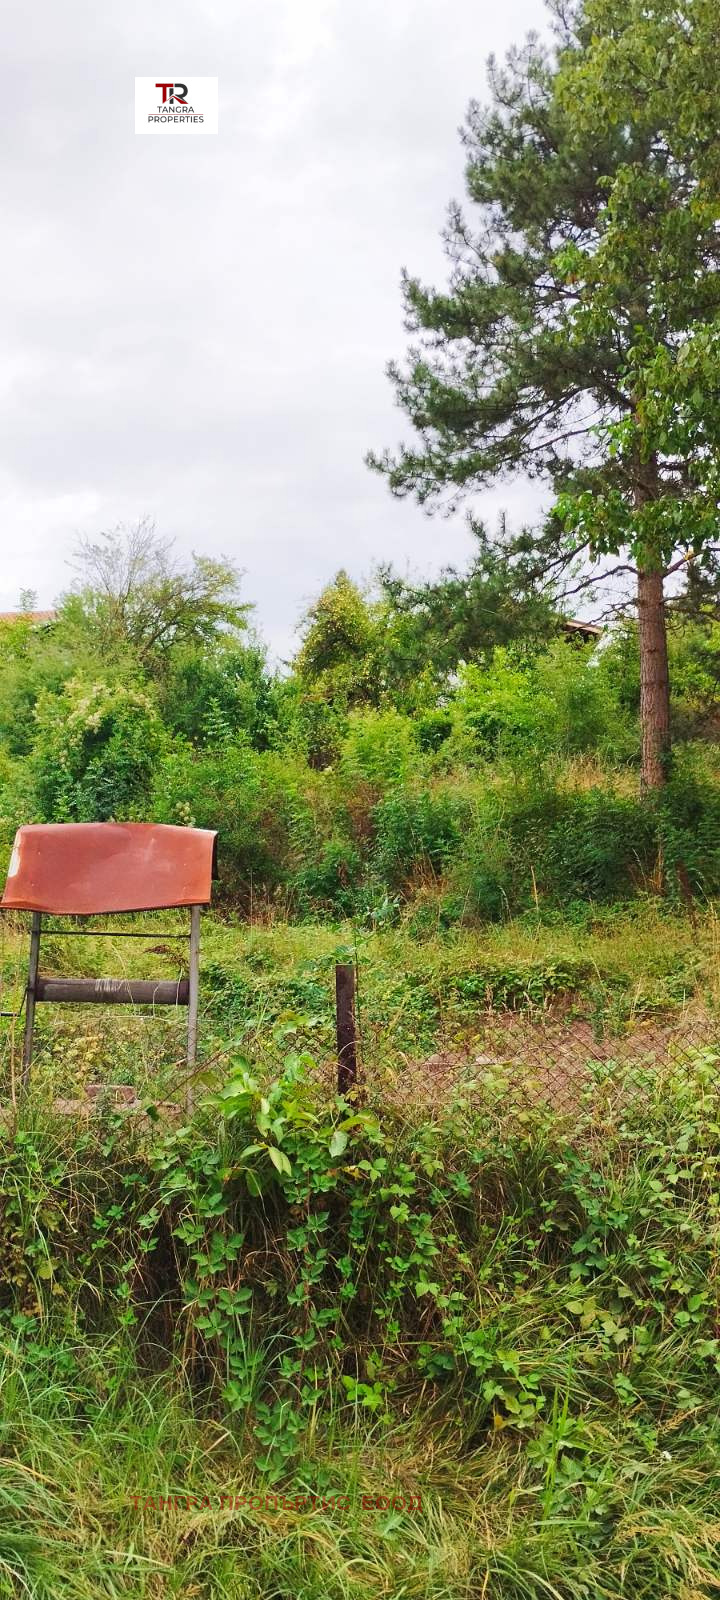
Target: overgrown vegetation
(379, 769)
(340, 1352)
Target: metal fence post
(193, 997)
(345, 1027)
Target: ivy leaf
(338, 1142)
(423, 1286)
(279, 1159)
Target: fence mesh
(571, 1067)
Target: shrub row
(489, 834)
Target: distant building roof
(28, 616)
(583, 630)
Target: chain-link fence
(522, 1061)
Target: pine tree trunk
(654, 679)
(652, 640)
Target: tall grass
(599, 1502)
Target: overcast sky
(196, 329)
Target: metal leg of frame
(30, 996)
(193, 997)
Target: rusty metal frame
(67, 885)
(111, 991)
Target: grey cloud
(197, 329)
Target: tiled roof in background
(28, 616)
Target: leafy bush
(581, 703)
(95, 753)
(434, 727)
(598, 845)
(381, 747)
(561, 700)
(253, 798)
(540, 841)
(694, 655)
(295, 1242)
(483, 883)
(212, 694)
(329, 881)
(417, 830)
(307, 725)
(499, 708)
(688, 824)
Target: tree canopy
(577, 339)
(133, 594)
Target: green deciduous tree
(134, 598)
(337, 658)
(402, 642)
(218, 690)
(578, 339)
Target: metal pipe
(107, 933)
(30, 996)
(114, 991)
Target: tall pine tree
(578, 338)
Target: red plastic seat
(86, 868)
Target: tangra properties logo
(169, 107)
